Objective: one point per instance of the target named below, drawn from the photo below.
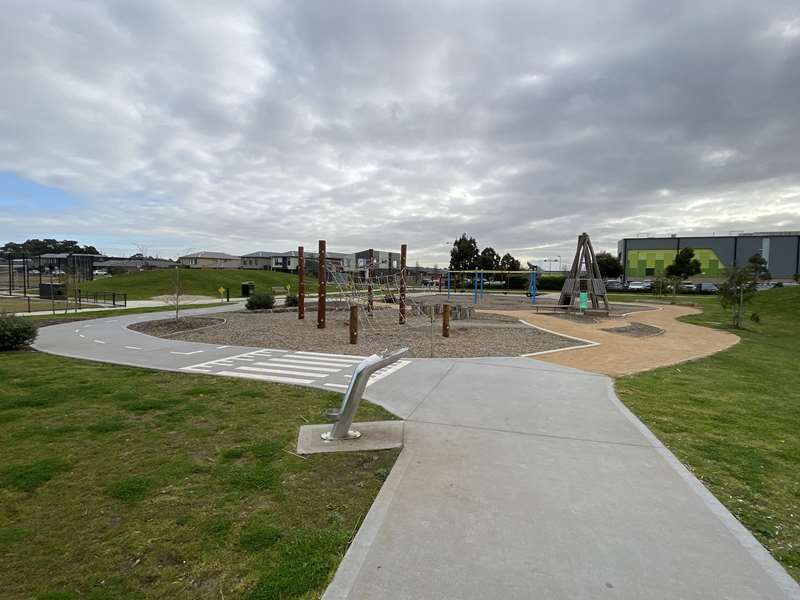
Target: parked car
(33, 272)
(687, 286)
(707, 287)
(99, 272)
(615, 286)
(640, 286)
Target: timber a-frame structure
(584, 276)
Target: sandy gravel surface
(500, 337)
(623, 355)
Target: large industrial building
(648, 257)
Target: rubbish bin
(248, 289)
(52, 291)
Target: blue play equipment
(479, 282)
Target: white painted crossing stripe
(222, 347)
(386, 371)
(338, 361)
(265, 377)
(275, 363)
(294, 361)
(132, 347)
(187, 353)
(81, 335)
(351, 356)
(338, 386)
(281, 372)
(271, 350)
(98, 341)
(240, 358)
(77, 330)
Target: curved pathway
(518, 479)
(616, 354)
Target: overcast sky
(260, 126)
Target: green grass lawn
(120, 483)
(733, 418)
(200, 282)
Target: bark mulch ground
(477, 337)
(170, 327)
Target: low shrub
(16, 332)
(260, 302)
(291, 300)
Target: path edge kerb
(751, 545)
(353, 560)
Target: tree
(509, 263)
(489, 259)
(610, 267)
(465, 255)
(736, 292)
(35, 247)
(758, 267)
(684, 266)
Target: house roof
(214, 255)
(262, 254)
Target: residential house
(211, 260)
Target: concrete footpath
(521, 479)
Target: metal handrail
(355, 390)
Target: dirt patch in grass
(484, 335)
(169, 327)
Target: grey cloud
(244, 126)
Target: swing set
(479, 282)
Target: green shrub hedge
(260, 301)
(16, 332)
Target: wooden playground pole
(403, 284)
(354, 324)
(322, 282)
(301, 283)
(446, 320)
(370, 275)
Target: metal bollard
(352, 397)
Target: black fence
(105, 298)
(22, 274)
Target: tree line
(466, 256)
(35, 247)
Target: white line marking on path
(77, 330)
(81, 335)
(187, 353)
(132, 347)
(222, 347)
(275, 363)
(343, 361)
(586, 343)
(386, 371)
(98, 341)
(297, 361)
(350, 356)
(338, 386)
(265, 377)
(281, 372)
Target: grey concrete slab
(503, 515)
(375, 435)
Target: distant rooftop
(216, 255)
